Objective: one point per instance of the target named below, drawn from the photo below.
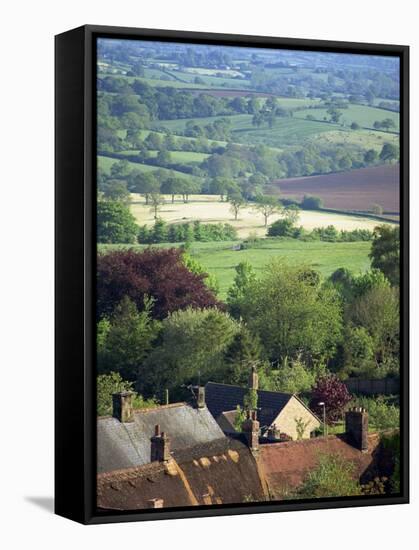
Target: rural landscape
(247, 274)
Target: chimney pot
(157, 430)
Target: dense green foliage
(332, 477)
(191, 347)
(163, 232)
(385, 252)
(291, 311)
(115, 223)
(107, 384)
(125, 338)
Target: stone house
(277, 412)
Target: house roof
(224, 397)
(126, 445)
(285, 465)
(217, 472)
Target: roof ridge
(160, 407)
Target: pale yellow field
(209, 209)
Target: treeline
(117, 97)
(163, 232)
(286, 228)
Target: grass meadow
(220, 259)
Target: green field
(105, 164)
(363, 115)
(220, 259)
(177, 156)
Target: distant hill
(350, 190)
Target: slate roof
(217, 472)
(126, 445)
(224, 397)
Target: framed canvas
(231, 274)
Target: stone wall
(286, 422)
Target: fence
(373, 386)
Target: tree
(267, 205)
(292, 313)
(244, 351)
(377, 209)
(107, 384)
(334, 115)
(358, 350)
(370, 156)
(192, 347)
(385, 252)
(377, 311)
(333, 393)
(115, 223)
(281, 228)
(389, 152)
(115, 190)
(333, 476)
(310, 202)
(156, 200)
(243, 282)
(144, 183)
(292, 376)
(355, 126)
(173, 186)
(128, 338)
(157, 273)
(236, 203)
(164, 158)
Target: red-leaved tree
(159, 274)
(333, 393)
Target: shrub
(333, 476)
(281, 228)
(291, 377)
(333, 393)
(382, 415)
(107, 384)
(392, 443)
(115, 223)
(310, 202)
(160, 274)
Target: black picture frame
(75, 250)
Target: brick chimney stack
(160, 446)
(253, 379)
(200, 400)
(356, 428)
(250, 428)
(122, 406)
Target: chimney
(155, 503)
(200, 400)
(253, 379)
(356, 428)
(122, 406)
(250, 428)
(160, 446)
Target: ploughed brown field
(351, 190)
